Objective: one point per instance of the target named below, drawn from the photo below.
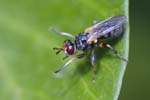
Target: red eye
(70, 50)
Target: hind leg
(103, 45)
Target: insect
(91, 38)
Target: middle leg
(93, 59)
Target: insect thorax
(81, 41)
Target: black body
(81, 41)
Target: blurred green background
(136, 84)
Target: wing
(104, 27)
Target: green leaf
(27, 59)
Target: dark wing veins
(107, 25)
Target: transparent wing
(104, 27)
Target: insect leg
(93, 58)
(67, 63)
(96, 21)
(61, 33)
(65, 57)
(102, 45)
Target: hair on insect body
(92, 37)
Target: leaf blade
(26, 58)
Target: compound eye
(69, 47)
(70, 50)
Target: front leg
(70, 61)
(61, 33)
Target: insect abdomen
(115, 33)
